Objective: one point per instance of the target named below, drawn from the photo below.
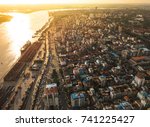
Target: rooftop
(77, 96)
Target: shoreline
(5, 18)
(33, 40)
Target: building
(139, 79)
(125, 106)
(144, 97)
(78, 99)
(103, 79)
(51, 96)
(119, 29)
(125, 53)
(63, 62)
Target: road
(62, 96)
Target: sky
(70, 1)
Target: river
(15, 33)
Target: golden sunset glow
(69, 1)
(18, 30)
(39, 1)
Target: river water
(15, 33)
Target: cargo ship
(25, 47)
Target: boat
(25, 47)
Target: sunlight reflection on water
(19, 32)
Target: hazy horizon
(73, 1)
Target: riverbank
(21, 76)
(24, 26)
(5, 18)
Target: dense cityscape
(84, 59)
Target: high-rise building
(77, 99)
(51, 96)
